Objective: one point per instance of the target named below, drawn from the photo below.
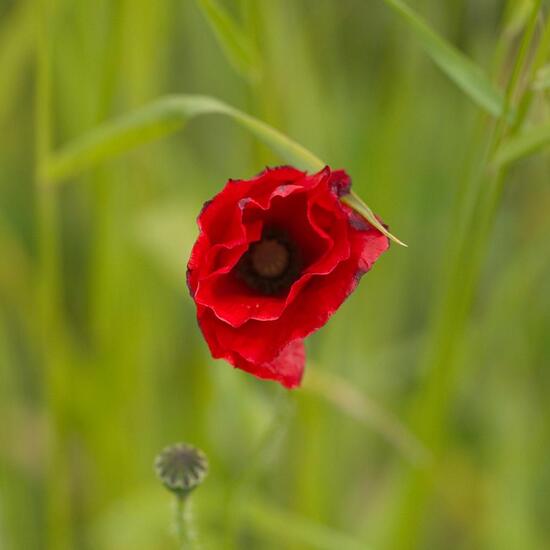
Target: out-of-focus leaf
(138, 521)
(523, 145)
(468, 76)
(167, 115)
(516, 16)
(142, 520)
(240, 51)
(158, 119)
(542, 80)
(357, 405)
(16, 46)
(285, 526)
(166, 232)
(15, 275)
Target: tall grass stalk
(102, 185)
(263, 455)
(48, 286)
(431, 407)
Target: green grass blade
(360, 207)
(542, 82)
(239, 50)
(285, 147)
(355, 404)
(16, 46)
(523, 145)
(468, 76)
(167, 115)
(293, 529)
(158, 119)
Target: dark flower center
(270, 265)
(269, 258)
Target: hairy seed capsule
(181, 468)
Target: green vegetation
(423, 421)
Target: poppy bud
(181, 468)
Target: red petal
(261, 341)
(287, 368)
(320, 228)
(264, 335)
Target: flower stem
(264, 453)
(185, 524)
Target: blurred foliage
(102, 363)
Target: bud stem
(185, 525)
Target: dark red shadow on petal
(287, 368)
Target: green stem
(102, 204)
(48, 289)
(513, 81)
(264, 452)
(539, 59)
(185, 525)
(431, 408)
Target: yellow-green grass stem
(431, 407)
(48, 293)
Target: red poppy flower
(275, 258)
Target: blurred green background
(423, 422)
